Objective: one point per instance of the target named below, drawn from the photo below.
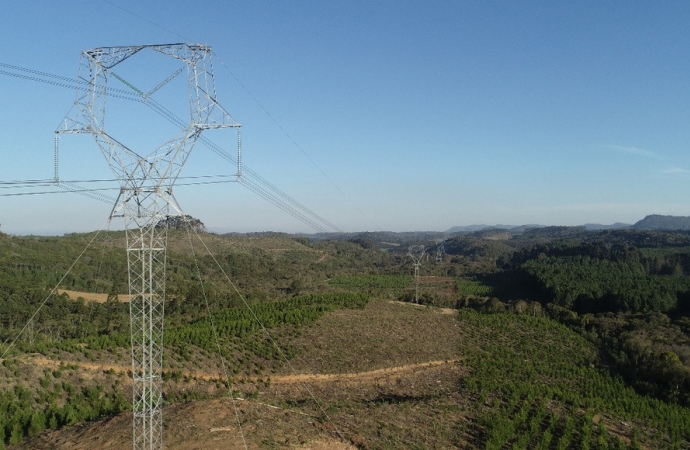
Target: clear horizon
(220, 230)
(383, 115)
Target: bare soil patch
(210, 424)
(277, 415)
(284, 415)
(92, 296)
(382, 335)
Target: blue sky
(386, 115)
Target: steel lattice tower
(146, 197)
(440, 250)
(416, 252)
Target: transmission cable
(213, 328)
(92, 193)
(52, 292)
(145, 20)
(294, 143)
(275, 200)
(252, 186)
(247, 170)
(277, 197)
(264, 194)
(51, 181)
(270, 338)
(74, 82)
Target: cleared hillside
(402, 376)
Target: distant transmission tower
(146, 196)
(440, 250)
(416, 252)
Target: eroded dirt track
(277, 379)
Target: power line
(93, 193)
(147, 20)
(136, 95)
(99, 180)
(258, 184)
(268, 192)
(289, 137)
(51, 293)
(212, 322)
(19, 194)
(272, 193)
(69, 83)
(265, 331)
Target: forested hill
(626, 290)
(659, 222)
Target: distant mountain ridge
(522, 228)
(473, 228)
(650, 222)
(613, 226)
(659, 222)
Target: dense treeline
(586, 285)
(650, 351)
(591, 277)
(480, 248)
(631, 301)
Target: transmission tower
(146, 197)
(440, 250)
(416, 252)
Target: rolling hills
(497, 359)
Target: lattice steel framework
(146, 197)
(440, 250)
(416, 252)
